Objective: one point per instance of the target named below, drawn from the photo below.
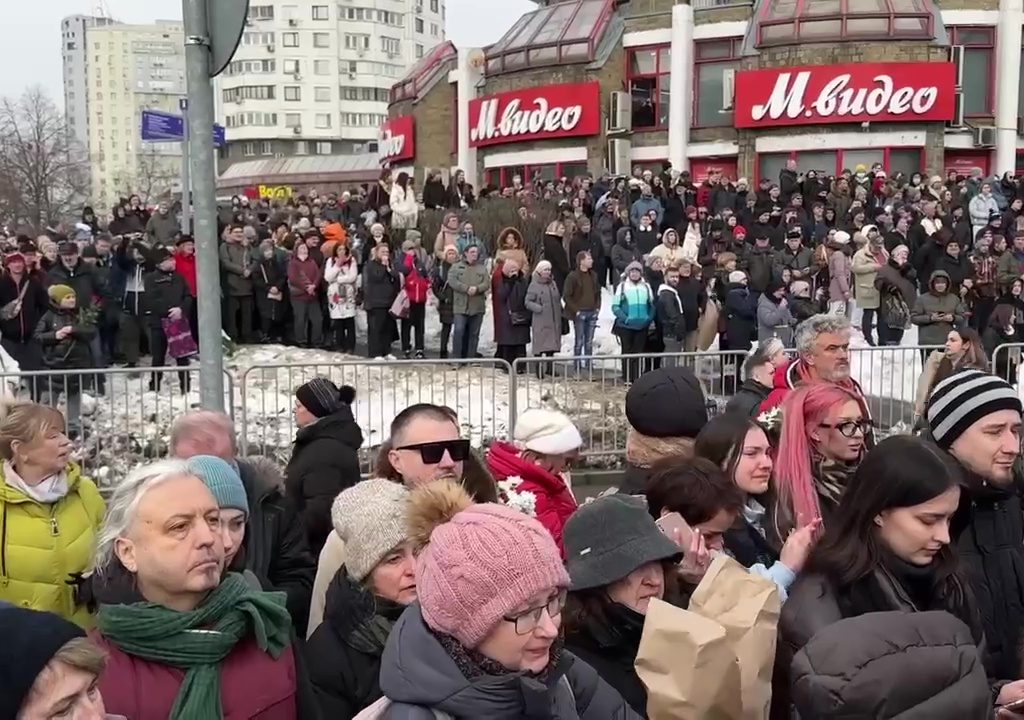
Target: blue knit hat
(222, 479)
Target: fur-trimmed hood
(261, 477)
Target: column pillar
(469, 70)
(1008, 43)
(680, 109)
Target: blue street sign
(159, 126)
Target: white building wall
(348, 54)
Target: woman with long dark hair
(964, 350)
(886, 549)
(740, 447)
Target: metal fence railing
(123, 416)
(1006, 361)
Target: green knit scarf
(199, 640)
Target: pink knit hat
(478, 563)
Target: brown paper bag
(747, 606)
(687, 666)
(707, 326)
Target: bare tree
(155, 175)
(43, 172)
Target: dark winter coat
(611, 649)
(894, 281)
(889, 665)
(625, 250)
(958, 269)
(511, 299)
(344, 652)
(988, 532)
(302, 273)
(748, 398)
(443, 292)
(694, 299)
(554, 253)
(325, 461)
(72, 352)
(759, 264)
(934, 332)
(669, 315)
(82, 278)
(417, 674)
(35, 302)
(801, 261)
(741, 317)
(234, 260)
(275, 545)
(380, 285)
(543, 300)
(165, 290)
(582, 292)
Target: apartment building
(313, 78)
(112, 72)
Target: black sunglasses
(432, 452)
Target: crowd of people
(469, 583)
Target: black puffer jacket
(324, 462)
(275, 539)
(164, 291)
(891, 665)
(344, 652)
(989, 538)
(611, 649)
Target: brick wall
(435, 126)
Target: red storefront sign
(397, 139)
(963, 162)
(824, 94)
(544, 113)
(701, 169)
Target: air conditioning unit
(620, 112)
(728, 87)
(296, 76)
(351, 76)
(270, 48)
(956, 56)
(984, 137)
(958, 111)
(292, 22)
(620, 156)
(297, 130)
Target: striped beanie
(322, 397)
(963, 399)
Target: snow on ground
(130, 424)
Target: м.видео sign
(825, 94)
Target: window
(906, 160)
(419, 53)
(711, 61)
(302, 147)
(433, 5)
(322, 94)
(433, 29)
(293, 94)
(290, 39)
(261, 12)
(647, 72)
(321, 40)
(249, 149)
(266, 148)
(320, 12)
(354, 41)
(292, 120)
(322, 121)
(323, 148)
(419, 25)
(979, 67)
(392, 46)
(249, 92)
(321, 67)
(291, 67)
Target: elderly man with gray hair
(275, 548)
(823, 355)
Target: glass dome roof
(423, 72)
(786, 22)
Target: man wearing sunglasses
(424, 447)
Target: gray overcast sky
(31, 46)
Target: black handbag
(520, 318)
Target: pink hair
(802, 411)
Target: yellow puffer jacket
(41, 545)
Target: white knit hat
(842, 237)
(372, 518)
(547, 432)
(737, 276)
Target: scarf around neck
(199, 640)
(48, 491)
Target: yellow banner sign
(275, 192)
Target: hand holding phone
(676, 529)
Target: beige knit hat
(371, 517)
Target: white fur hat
(842, 237)
(547, 432)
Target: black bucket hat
(609, 538)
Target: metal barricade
(479, 391)
(1006, 361)
(121, 417)
(889, 378)
(592, 391)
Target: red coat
(253, 686)
(185, 265)
(788, 376)
(417, 285)
(555, 502)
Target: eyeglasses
(850, 429)
(526, 621)
(432, 452)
